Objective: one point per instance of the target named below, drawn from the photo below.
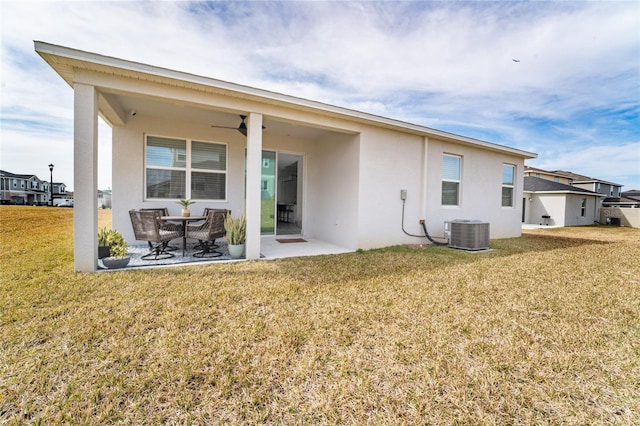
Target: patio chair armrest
(167, 226)
(166, 235)
(197, 226)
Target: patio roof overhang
(66, 61)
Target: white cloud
(590, 160)
(446, 65)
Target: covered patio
(286, 156)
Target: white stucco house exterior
(552, 203)
(349, 167)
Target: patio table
(184, 220)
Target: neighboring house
(60, 194)
(547, 175)
(23, 189)
(104, 199)
(551, 203)
(624, 211)
(633, 194)
(30, 190)
(174, 136)
(627, 199)
(609, 189)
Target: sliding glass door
(280, 186)
(268, 193)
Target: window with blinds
(183, 168)
(508, 183)
(451, 179)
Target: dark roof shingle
(534, 184)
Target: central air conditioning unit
(467, 234)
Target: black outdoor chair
(167, 226)
(147, 226)
(207, 232)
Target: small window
(15, 183)
(583, 207)
(451, 180)
(508, 183)
(182, 168)
(556, 179)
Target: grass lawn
(545, 329)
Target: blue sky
(573, 97)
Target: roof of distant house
(534, 184)
(621, 200)
(575, 177)
(5, 173)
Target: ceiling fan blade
(242, 128)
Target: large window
(451, 180)
(183, 168)
(508, 179)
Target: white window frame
(458, 181)
(188, 169)
(583, 207)
(507, 185)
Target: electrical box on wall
(403, 194)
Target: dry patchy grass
(543, 330)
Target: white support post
(254, 175)
(85, 178)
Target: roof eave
(595, 194)
(49, 51)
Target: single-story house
(349, 178)
(552, 203)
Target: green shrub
(117, 244)
(103, 236)
(236, 229)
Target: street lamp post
(51, 184)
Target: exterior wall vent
(468, 234)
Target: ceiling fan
(242, 128)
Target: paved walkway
(536, 226)
(271, 248)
